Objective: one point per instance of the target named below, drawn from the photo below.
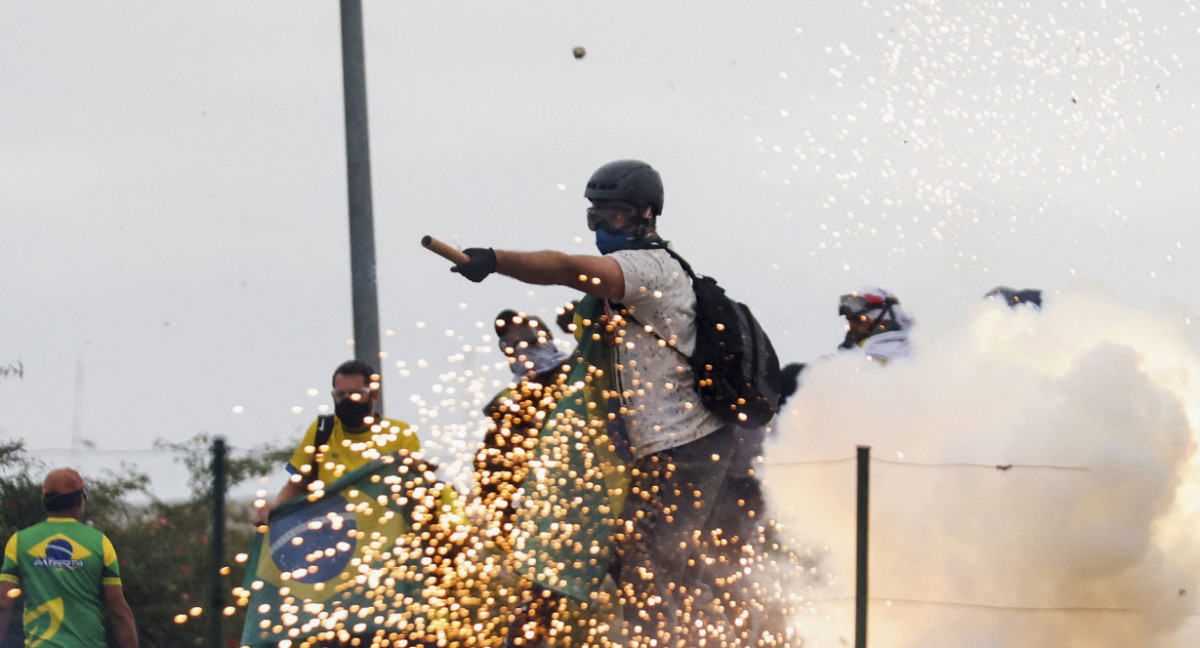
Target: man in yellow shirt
(352, 437)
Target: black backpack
(736, 368)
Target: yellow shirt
(347, 451)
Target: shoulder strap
(324, 431)
(653, 331)
(675, 255)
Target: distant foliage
(196, 455)
(164, 547)
(20, 506)
(14, 368)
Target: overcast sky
(173, 196)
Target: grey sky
(172, 194)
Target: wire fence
(903, 480)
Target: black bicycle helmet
(629, 180)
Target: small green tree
(14, 368)
(22, 497)
(21, 506)
(168, 550)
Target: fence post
(860, 583)
(217, 603)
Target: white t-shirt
(662, 409)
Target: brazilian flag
(370, 558)
(577, 485)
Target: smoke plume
(1033, 481)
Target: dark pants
(663, 544)
(735, 541)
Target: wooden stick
(444, 251)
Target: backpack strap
(324, 431)
(675, 255)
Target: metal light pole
(358, 176)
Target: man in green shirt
(68, 573)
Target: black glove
(481, 264)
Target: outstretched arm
(122, 617)
(595, 275)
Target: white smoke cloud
(1033, 480)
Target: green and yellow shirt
(61, 566)
(348, 451)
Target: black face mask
(351, 413)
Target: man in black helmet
(639, 304)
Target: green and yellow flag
(370, 558)
(574, 492)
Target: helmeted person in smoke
(678, 452)
(876, 324)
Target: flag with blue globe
(367, 558)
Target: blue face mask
(608, 243)
(536, 359)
